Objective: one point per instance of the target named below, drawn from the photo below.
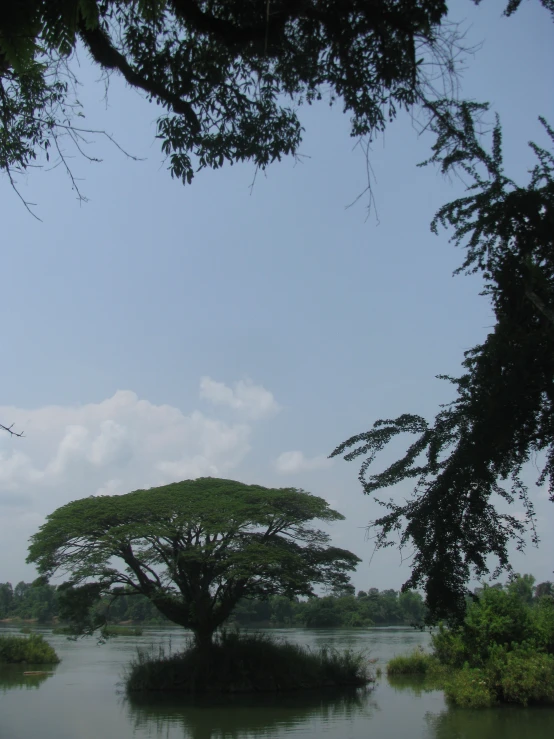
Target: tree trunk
(203, 636)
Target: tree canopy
(194, 548)
(474, 453)
(231, 75)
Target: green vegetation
(500, 417)
(417, 662)
(502, 652)
(193, 548)
(236, 663)
(368, 608)
(27, 601)
(32, 649)
(229, 76)
(342, 609)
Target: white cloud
(117, 445)
(251, 401)
(289, 463)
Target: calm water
(83, 700)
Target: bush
(505, 645)
(237, 663)
(469, 688)
(522, 675)
(449, 647)
(497, 618)
(542, 623)
(32, 648)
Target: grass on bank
(32, 649)
(417, 662)
(238, 663)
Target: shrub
(542, 623)
(469, 688)
(237, 663)
(522, 675)
(32, 648)
(498, 617)
(448, 647)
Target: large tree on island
(194, 548)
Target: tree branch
(107, 56)
(230, 34)
(9, 428)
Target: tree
(6, 599)
(194, 548)
(503, 414)
(543, 589)
(523, 586)
(229, 74)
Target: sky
(159, 332)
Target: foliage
(237, 663)
(27, 601)
(417, 662)
(519, 675)
(469, 688)
(32, 648)
(387, 607)
(230, 75)
(129, 607)
(193, 548)
(502, 652)
(499, 617)
(504, 409)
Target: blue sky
(307, 320)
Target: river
(83, 699)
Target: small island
(194, 549)
(32, 649)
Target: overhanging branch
(107, 56)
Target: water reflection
(508, 722)
(13, 677)
(237, 717)
(414, 685)
(491, 723)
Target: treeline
(27, 601)
(367, 608)
(386, 607)
(41, 603)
